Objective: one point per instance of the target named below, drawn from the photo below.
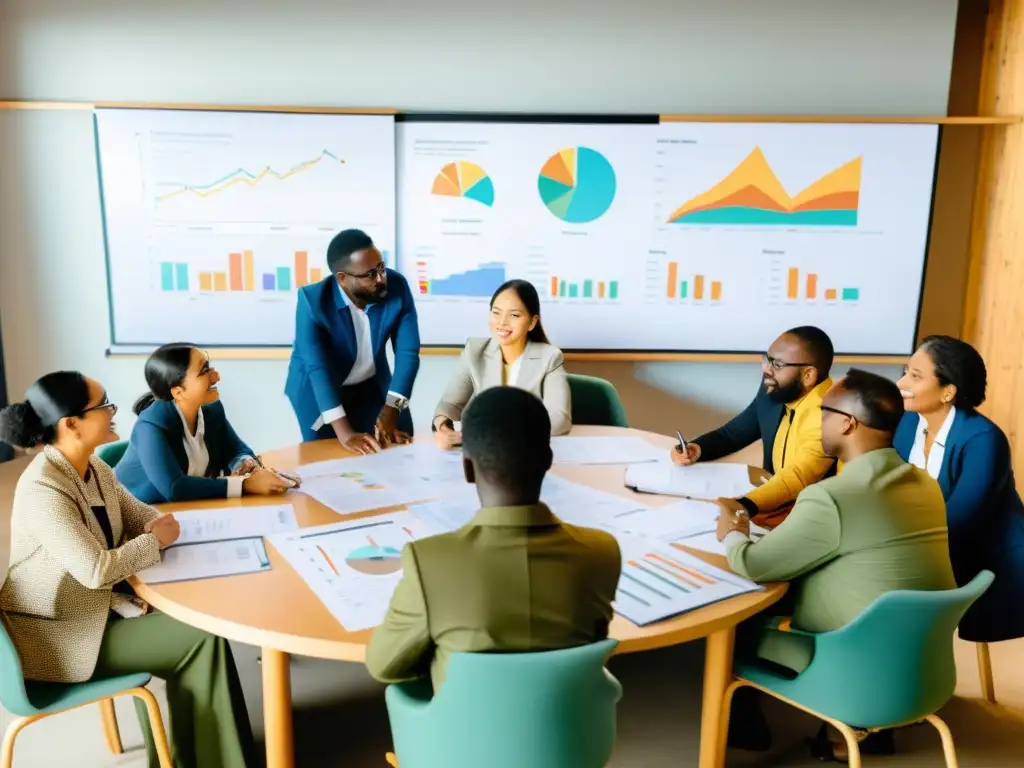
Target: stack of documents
(220, 542)
(699, 481)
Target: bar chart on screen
(790, 284)
(659, 581)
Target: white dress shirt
(199, 456)
(511, 372)
(933, 463)
(363, 368)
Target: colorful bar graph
(684, 289)
(681, 288)
(716, 290)
(812, 286)
(250, 271)
(181, 271)
(173, 276)
(554, 285)
(698, 287)
(588, 289)
(284, 279)
(220, 281)
(573, 290)
(613, 289)
(584, 289)
(830, 294)
(673, 269)
(600, 289)
(269, 282)
(205, 281)
(167, 276)
(301, 268)
(235, 271)
(851, 294)
(793, 286)
(562, 288)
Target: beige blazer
(56, 597)
(541, 372)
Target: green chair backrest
(552, 709)
(13, 696)
(111, 453)
(893, 664)
(596, 402)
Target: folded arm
(807, 539)
(400, 648)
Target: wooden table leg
(277, 710)
(717, 676)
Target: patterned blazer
(56, 598)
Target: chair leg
(723, 736)
(988, 687)
(948, 748)
(156, 724)
(852, 743)
(110, 730)
(7, 747)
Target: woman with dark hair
(182, 446)
(943, 433)
(517, 354)
(75, 534)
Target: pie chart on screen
(577, 184)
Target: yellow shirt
(797, 455)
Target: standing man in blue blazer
(339, 382)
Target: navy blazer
(758, 421)
(985, 516)
(154, 469)
(325, 345)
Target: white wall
(696, 56)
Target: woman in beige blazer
(517, 354)
(76, 535)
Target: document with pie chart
(353, 567)
(480, 203)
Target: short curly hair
(960, 364)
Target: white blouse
(199, 455)
(933, 464)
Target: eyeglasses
(374, 273)
(777, 364)
(828, 409)
(104, 405)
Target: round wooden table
(277, 611)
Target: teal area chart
(577, 185)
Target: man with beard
(785, 415)
(339, 382)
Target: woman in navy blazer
(182, 447)
(942, 432)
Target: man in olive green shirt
(878, 526)
(515, 578)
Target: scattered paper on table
(354, 566)
(578, 504)
(209, 560)
(355, 491)
(671, 522)
(204, 525)
(604, 450)
(659, 581)
(448, 514)
(708, 541)
(701, 481)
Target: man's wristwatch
(397, 402)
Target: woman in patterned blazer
(76, 533)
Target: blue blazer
(985, 516)
(325, 345)
(154, 468)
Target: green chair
(32, 701)
(112, 453)
(595, 401)
(552, 709)
(893, 665)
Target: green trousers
(209, 723)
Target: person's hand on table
(445, 436)
(165, 528)
(732, 517)
(686, 457)
(264, 482)
(386, 430)
(362, 443)
(246, 466)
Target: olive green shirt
(878, 526)
(512, 579)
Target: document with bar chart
(217, 218)
(795, 224)
(559, 204)
(659, 581)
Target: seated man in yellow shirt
(785, 416)
(515, 578)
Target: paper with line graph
(659, 581)
(353, 567)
